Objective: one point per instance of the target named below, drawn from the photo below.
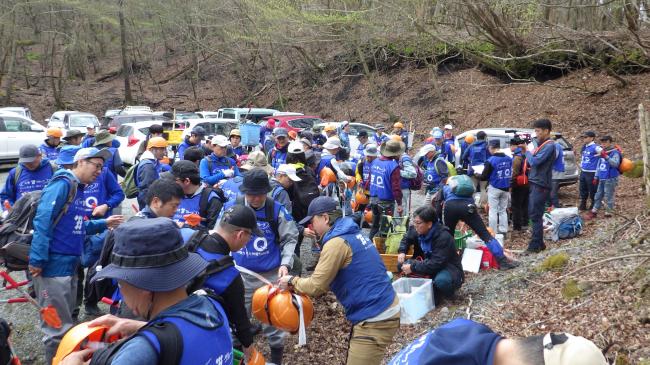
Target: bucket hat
(103, 137)
(255, 182)
(371, 150)
(257, 159)
(392, 148)
(73, 133)
(150, 254)
(332, 143)
(66, 155)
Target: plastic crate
(415, 298)
(250, 134)
(460, 239)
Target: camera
(519, 137)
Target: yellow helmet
(157, 142)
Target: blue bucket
(250, 134)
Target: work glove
(228, 173)
(599, 149)
(594, 181)
(603, 154)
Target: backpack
(19, 170)
(623, 166)
(461, 185)
(129, 185)
(204, 201)
(6, 355)
(416, 182)
(569, 227)
(450, 167)
(302, 193)
(202, 239)
(17, 231)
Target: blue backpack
(570, 227)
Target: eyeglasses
(98, 166)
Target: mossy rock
(554, 262)
(571, 290)
(621, 360)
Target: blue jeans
(538, 196)
(606, 188)
(444, 284)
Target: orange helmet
(367, 216)
(398, 125)
(54, 132)
(626, 165)
(157, 142)
(360, 197)
(293, 135)
(76, 338)
(329, 128)
(256, 358)
(327, 176)
(284, 311)
(395, 137)
(259, 303)
(469, 139)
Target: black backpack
(302, 193)
(17, 230)
(5, 350)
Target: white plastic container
(415, 298)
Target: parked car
(136, 109)
(56, 120)
(206, 114)
(79, 121)
(132, 135)
(117, 120)
(16, 131)
(252, 114)
(20, 110)
(180, 115)
(504, 135)
(212, 126)
(355, 128)
(277, 114)
(294, 122)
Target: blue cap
(66, 155)
(495, 143)
(320, 205)
(437, 134)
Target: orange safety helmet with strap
(327, 176)
(79, 338)
(280, 308)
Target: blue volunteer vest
(231, 188)
(109, 163)
(69, 234)
(278, 158)
(431, 176)
(239, 150)
(379, 140)
(29, 181)
(188, 206)
(51, 153)
(589, 161)
(477, 154)
(220, 281)
(260, 254)
(406, 183)
(95, 193)
(605, 170)
(380, 173)
(361, 151)
(217, 164)
(501, 171)
(196, 339)
(366, 171)
(367, 298)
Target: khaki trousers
(369, 341)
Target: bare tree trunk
(128, 98)
(9, 77)
(644, 124)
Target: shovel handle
(11, 286)
(15, 285)
(14, 300)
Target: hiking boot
(276, 355)
(505, 264)
(583, 205)
(92, 310)
(532, 250)
(591, 215)
(608, 213)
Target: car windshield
(83, 120)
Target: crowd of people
(260, 206)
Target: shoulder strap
(207, 159)
(276, 191)
(269, 212)
(203, 201)
(171, 342)
(17, 172)
(540, 146)
(195, 241)
(72, 192)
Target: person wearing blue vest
(194, 139)
(386, 184)
(50, 146)
(380, 137)
(149, 168)
(443, 148)
(434, 244)
(476, 154)
(607, 175)
(278, 155)
(558, 173)
(448, 136)
(198, 199)
(435, 171)
(343, 132)
(32, 173)
(457, 208)
(233, 231)
(235, 143)
(90, 134)
(217, 166)
(540, 178)
(103, 139)
(497, 170)
(270, 255)
(408, 172)
(363, 142)
(588, 166)
(363, 169)
(153, 268)
(465, 342)
(281, 182)
(57, 244)
(371, 304)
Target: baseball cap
(495, 143)
(92, 152)
(329, 128)
(90, 126)
(448, 127)
(28, 153)
(344, 123)
(437, 134)
(184, 169)
(296, 146)
(606, 138)
(380, 127)
(221, 141)
(427, 148)
(591, 134)
(320, 205)
(199, 131)
(332, 143)
(288, 170)
(566, 349)
(281, 132)
(242, 216)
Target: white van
(252, 114)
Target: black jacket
(443, 253)
(233, 297)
